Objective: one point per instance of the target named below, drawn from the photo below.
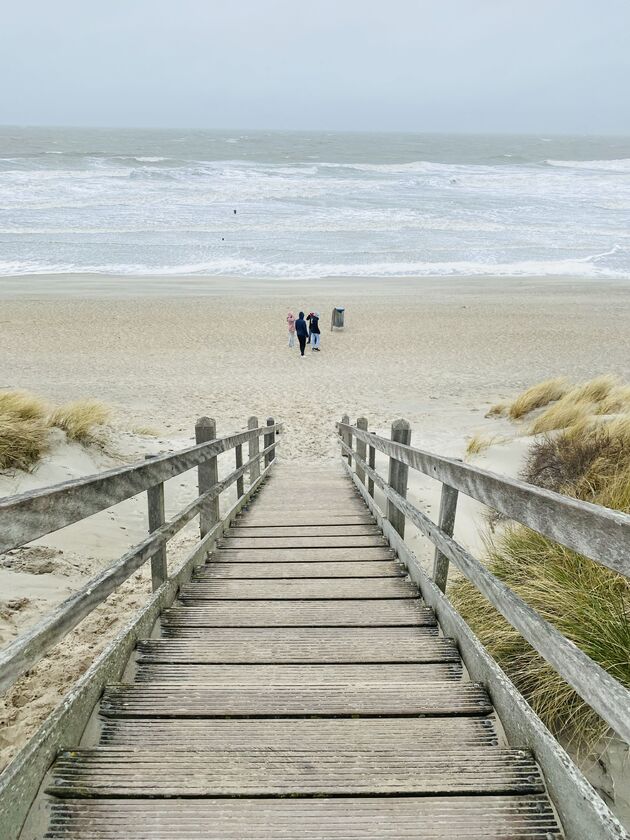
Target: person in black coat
(315, 334)
(301, 330)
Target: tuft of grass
(538, 396)
(21, 405)
(22, 442)
(595, 390)
(145, 431)
(479, 443)
(589, 604)
(81, 420)
(566, 412)
(498, 410)
(617, 401)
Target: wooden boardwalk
(300, 689)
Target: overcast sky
(408, 65)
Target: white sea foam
(300, 216)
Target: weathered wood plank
(116, 771)
(343, 530)
(181, 700)
(303, 555)
(392, 818)
(303, 733)
(254, 544)
(263, 675)
(393, 612)
(371, 568)
(313, 589)
(305, 644)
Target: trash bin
(337, 317)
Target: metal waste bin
(337, 317)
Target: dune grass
(21, 405)
(562, 414)
(538, 396)
(588, 603)
(22, 442)
(81, 420)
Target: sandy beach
(164, 351)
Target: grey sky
(418, 65)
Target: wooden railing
(32, 515)
(601, 534)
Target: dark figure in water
(301, 330)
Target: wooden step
(370, 568)
(343, 530)
(179, 700)
(299, 733)
(312, 674)
(299, 589)
(388, 612)
(504, 817)
(123, 771)
(302, 542)
(244, 645)
(302, 555)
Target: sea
(312, 204)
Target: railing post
(208, 475)
(268, 441)
(398, 474)
(347, 438)
(240, 482)
(448, 506)
(362, 424)
(371, 463)
(155, 504)
(253, 449)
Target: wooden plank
(299, 644)
(315, 588)
(301, 542)
(372, 568)
(597, 532)
(118, 771)
(288, 555)
(169, 700)
(302, 733)
(505, 817)
(342, 530)
(388, 612)
(216, 675)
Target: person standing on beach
(291, 326)
(301, 329)
(308, 318)
(315, 335)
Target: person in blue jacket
(301, 330)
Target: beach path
(298, 688)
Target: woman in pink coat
(291, 326)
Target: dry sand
(164, 351)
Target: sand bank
(164, 351)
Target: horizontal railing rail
(609, 698)
(67, 506)
(32, 515)
(601, 534)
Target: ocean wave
(581, 267)
(619, 165)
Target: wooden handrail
(597, 687)
(47, 510)
(31, 515)
(601, 534)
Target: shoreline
(186, 285)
